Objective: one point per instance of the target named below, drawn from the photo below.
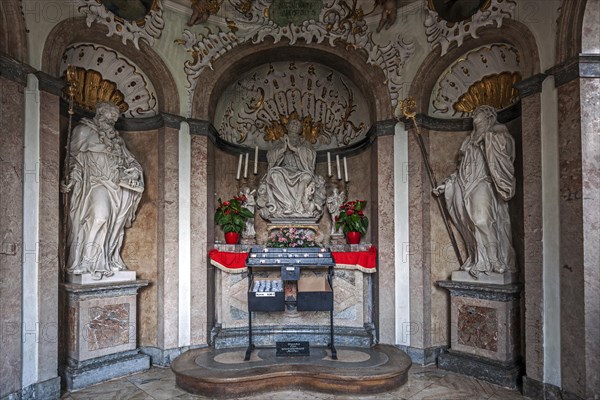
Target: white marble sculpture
(291, 189)
(334, 202)
(478, 192)
(250, 203)
(106, 184)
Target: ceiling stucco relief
(483, 76)
(338, 21)
(131, 20)
(454, 25)
(254, 110)
(105, 75)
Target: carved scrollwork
(146, 23)
(461, 24)
(339, 21)
(256, 109)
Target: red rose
(236, 211)
(228, 211)
(361, 213)
(337, 217)
(226, 203)
(349, 212)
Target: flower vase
(232, 237)
(353, 237)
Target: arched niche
(350, 63)
(76, 31)
(13, 33)
(568, 36)
(513, 33)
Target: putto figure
(477, 195)
(334, 202)
(290, 189)
(106, 183)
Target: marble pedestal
(485, 341)
(101, 339)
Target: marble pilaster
(48, 237)
(382, 233)
(419, 236)
(168, 249)
(200, 217)
(532, 240)
(572, 276)
(11, 233)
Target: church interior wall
(152, 243)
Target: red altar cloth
(365, 261)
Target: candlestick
(346, 177)
(256, 160)
(337, 162)
(239, 170)
(328, 164)
(246, 166)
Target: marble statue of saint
(250, 203)
(290, 187)
(477, 195)
(106, 184)
(334, 202)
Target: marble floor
(423, 383)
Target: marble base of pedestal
(102, 331)
(485, 341)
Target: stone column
(578, 83)
(382, 228)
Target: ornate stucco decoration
(484, 76)
(255, 109)
(446, 26)
(105, 75)
(131, 20)
(338, 21)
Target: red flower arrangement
(231, 216)
(352, 217)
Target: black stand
(291, 261)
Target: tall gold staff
(70, 91)
(408, 106)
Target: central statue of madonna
(290, 189)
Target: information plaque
(289, 349)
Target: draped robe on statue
(290, 188)
(102, 203)
(477, 196)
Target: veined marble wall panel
(443, 155)
(199, 238)
(49, 165)
(168, 249)
(420, 275)
(382, 229)
(11, 233)
(532, 240)
(572, 277)
(141, 240)
(590, 137)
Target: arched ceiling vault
(352, 64)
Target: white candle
(346, 177)
(337, 162)
(328, 164)
(256, 160)
(239, 171)
(246, 166)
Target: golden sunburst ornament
(495, 90)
